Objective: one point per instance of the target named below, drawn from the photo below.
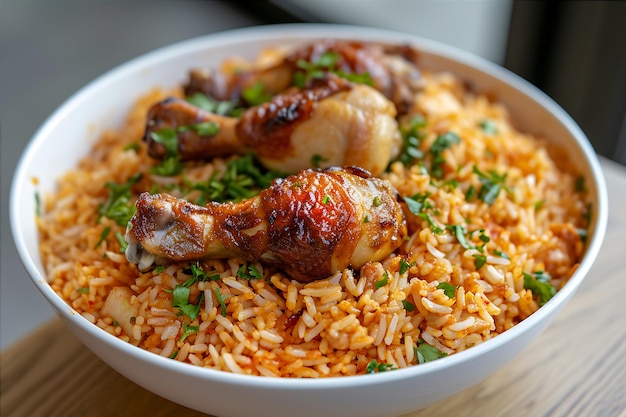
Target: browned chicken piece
(310, 225)
(336, 122)
(392, 69)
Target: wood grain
(577, 367)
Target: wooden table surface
(577, 367)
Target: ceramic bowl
(68, 134)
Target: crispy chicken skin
(338, 122)
(310, 225)
(393, 71)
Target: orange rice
(279, 327)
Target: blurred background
(572, 50)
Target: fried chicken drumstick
(391, 69)
(334, 120)
(310, 225)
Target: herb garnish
(122, 242)
(326, 63)
(220, 299)
(442, 143)
(408, 306)
(489, 127)
(539, 283)
(412, 136)
(382, 282)
(242, 179)
(417, 205)
(479, 260)
(405, 266)
(181, 293)
(118, 206)
(223, 108)
(374, 366)
(133, 146)
(491, 184)
(171, 165)
(448, 289)
(103, 236)
(579, 184)
(256, 94)
(316, 160)
(249, 272)
(427, 353)
(188, 330)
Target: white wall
(478, 26)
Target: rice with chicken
(495, 228)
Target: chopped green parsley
(448, 289)
(539, 283)
(374, 367)
(118, 206)
(427, 353)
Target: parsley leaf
(326, 63)
(459, 232)
(427, 353)
(489, 127)
(405, 266)
(103, 236)
(256, 94)
(442, 143)
(220, 299)
(122, 242)
(243, 178)
(118, 206)
(249, 272)
(479, 260)
(408, 306)
(316, 160)
(491, 184)
(539, 283)
(374, 366)
(382, 282)
(417, 203)
(448, 289)
(188, 330)
(412, 137)
(223, 108)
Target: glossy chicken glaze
(311, 225)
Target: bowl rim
(308, 31)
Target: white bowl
(68, 134)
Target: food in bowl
(495, 223)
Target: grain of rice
(391, 330)
(224, 322)
(462, 325)
(270, 337)
(198, 348)
(493, 275)
(434, 307)
(90, 317)
(231, 364)
(434, 251)
(168, 349)
(314, 331)
(171, 331)
(233, 283)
